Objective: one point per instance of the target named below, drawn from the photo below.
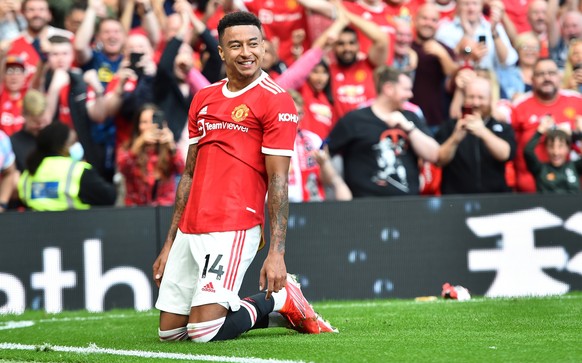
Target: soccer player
(242, 131)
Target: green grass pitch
(542, 329)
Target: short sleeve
(193, 130)
(279, 125)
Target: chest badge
(240, 113)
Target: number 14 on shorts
(216, 267)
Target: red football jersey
(405, 10)
(64, 107)
(280, 19)
(526, 115)
(234, 131)
(377, 14)
(516, 10)
(318, 117)
(11, 119)
(352, 86)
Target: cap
(14, 60)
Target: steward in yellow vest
(56, 179)
(55, 185)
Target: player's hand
(273, 274)
(160, 265)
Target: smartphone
(482, 39)
(577, 66)
(134, 59)
(466, 110)
(158, 119)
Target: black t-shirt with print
(378, 160)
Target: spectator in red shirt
(546, 99)
(31, 45)
(12, 90)
(149, 162)
(352, 78)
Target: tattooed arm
(274, 272)
(182, 194)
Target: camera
(577, 66)
(481, 39)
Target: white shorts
(207, 268)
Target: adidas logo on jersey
(203, 111)
(209, 287)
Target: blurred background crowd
(394, 97)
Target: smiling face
(318, 77)
(427, 20)
(546, 80)
(112, 36)
(37, 15)
(557, 148)
(478, 96)
(346, 48)
(242, 49)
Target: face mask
(76, 151)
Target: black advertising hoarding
(96, 260)
(495, 245)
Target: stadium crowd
(394, 97)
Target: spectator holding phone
(488, 43)
(149, 161)
(475, 148)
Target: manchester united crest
(240, 113)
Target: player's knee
(204, 332)
(180, 333)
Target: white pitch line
(143, 354)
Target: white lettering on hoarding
(97, 283)
(14, 290)
(518, 262)
(53, 280)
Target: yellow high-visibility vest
(55, 185)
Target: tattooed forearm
(182, 193)
(278, 204)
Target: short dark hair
(50, 142)
(59, 39)
(557, 134)
(384, 74)
(25, 2)
(349, 29)
(237, 18)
